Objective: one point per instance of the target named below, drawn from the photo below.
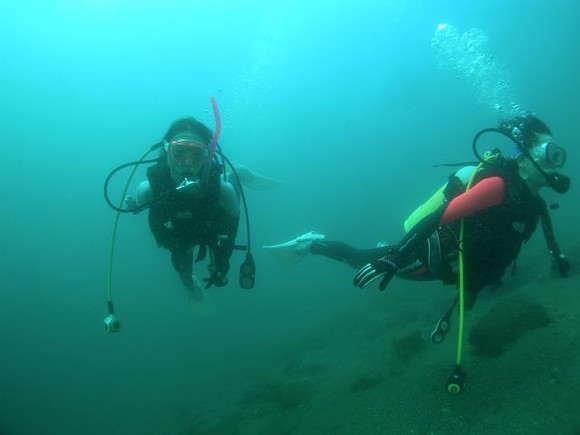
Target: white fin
(253, 180)
(200, 305)
(295, 250)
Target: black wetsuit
(492, 237)
(182, 220)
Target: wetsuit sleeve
(227, 228)
(222, 250)
(487, 193)
(547, 227)
(559, 261)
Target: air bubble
(469, 57)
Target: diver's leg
(182, 260)
(315, 243)
(200, 305)
(347, 254)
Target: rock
(505, 324)
(409, 345)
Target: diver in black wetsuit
(500, 210)
(203, 211)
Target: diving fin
(253, 180)
(200, 305)
(294, 250)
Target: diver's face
(547, 155)
(550, 156)
(187, 158)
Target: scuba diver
(202, 209)
(498, 202)
(469, 231)
(193, 195)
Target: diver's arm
(227, 226)
(228, 199)
(398, 255)
(487, 193)
(559, 261)
(226, 231)
(143, 193)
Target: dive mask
(546, 158)
(551, 155)
(183, 152)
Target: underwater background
(349, 104)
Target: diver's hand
(217, 274)
(131, 203)
(385, 268)
(218, 279)
(560, 263)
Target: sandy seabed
(377, 373)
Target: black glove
(217, 277)
(560, 263)
(385, 267)
(218, 281)
(131, 204)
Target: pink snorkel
(218, 127)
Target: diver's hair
(525, 128)
(189, 124)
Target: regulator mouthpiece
(559, 182)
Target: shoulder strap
(214, 181)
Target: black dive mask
(559, 182)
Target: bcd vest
(185, 218)
(493, 237)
